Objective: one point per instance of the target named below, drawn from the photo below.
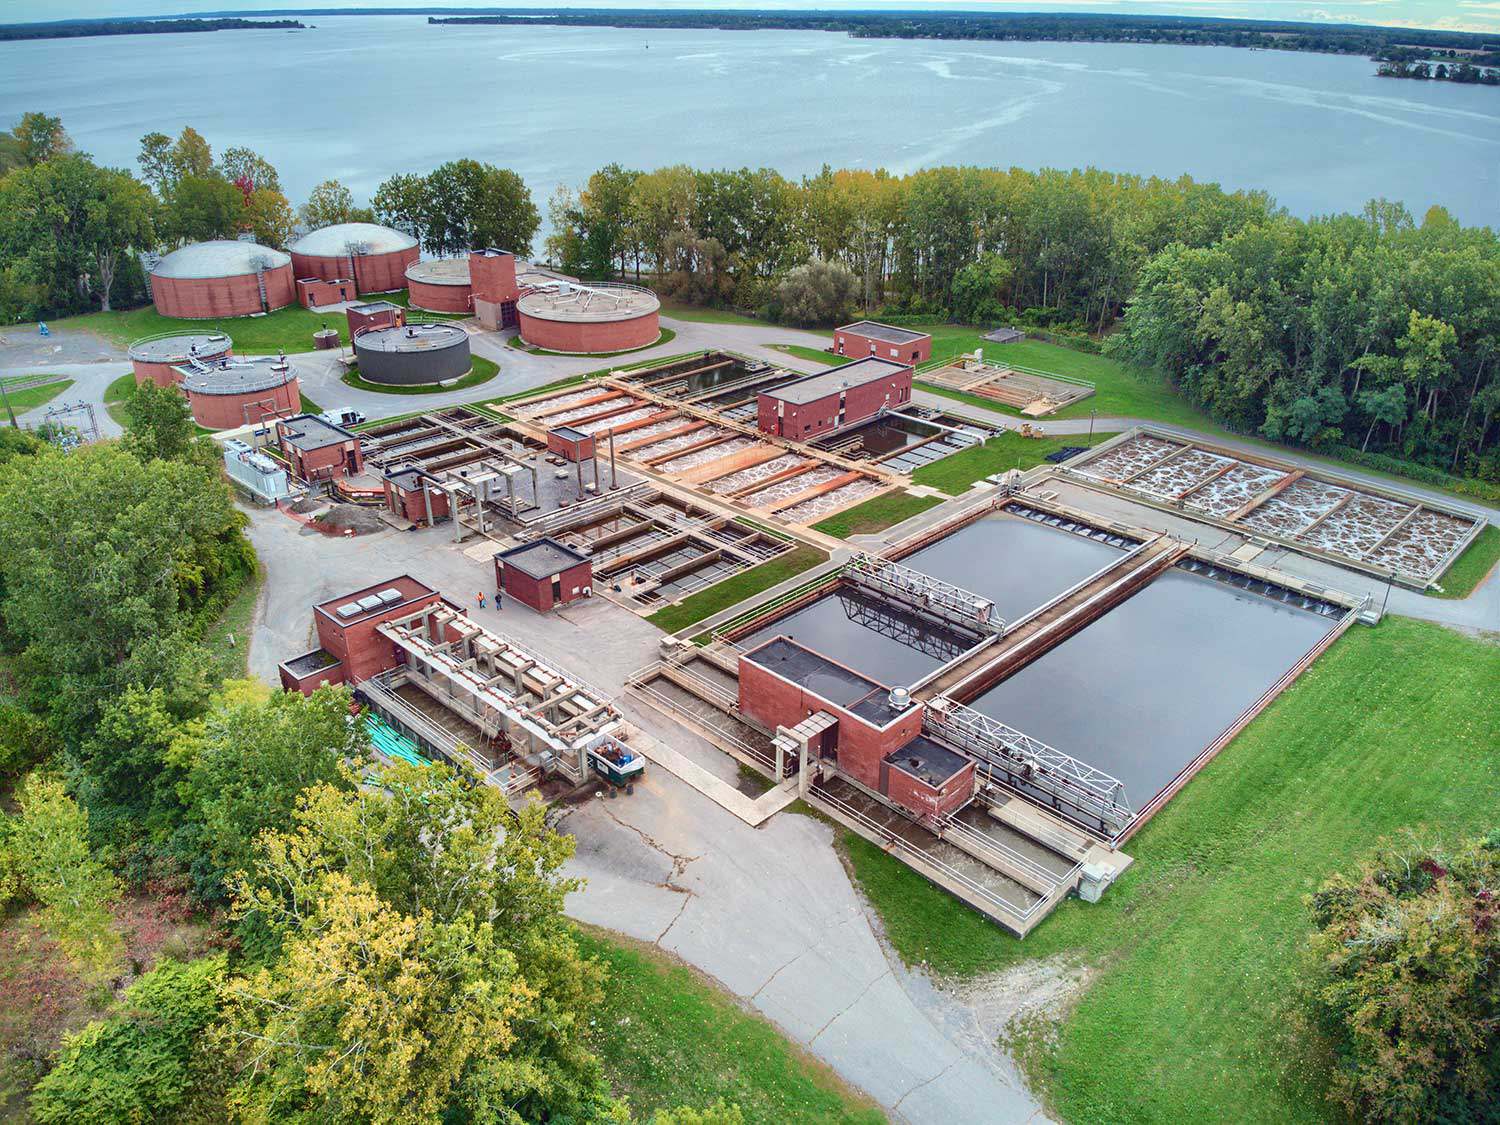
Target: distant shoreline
(90, 29)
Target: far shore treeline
(1372, 336)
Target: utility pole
(1091, 425)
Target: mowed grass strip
(1191, 1015)
(1005, 451)
(745, 584)
(1473, 566)
(877, 514)
(813, 355)
(1119, 389)
(668, 1038)
(290, 329)
(25, 399)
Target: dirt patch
(363, 521)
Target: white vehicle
(345, 417)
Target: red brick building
(878, 742)
(416, 496)
(349, 648)
(543, 574)
(373, 256)
(373, 315)
(566, 316)
(844, 396)
(870, 337)
(570, 444)
(239, 391)
(492, 279)
(318, 450)
(156, 359)
(207, 280)
(315, 292)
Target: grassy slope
(679, 311)
(1005, 451)
(1471, 567)
(876, 515)
(667, 1038)
(29, 398)
(483, 371)
(707, 602)
(1189, 1016)
(290, 329)
(233, 660)
(815, 355)
(1118, 389)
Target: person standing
(480, 598)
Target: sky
(1456, 15)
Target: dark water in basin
(1146, 687)
(1018, 563)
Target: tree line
(384, 943)
(1089, 27)
(82, 29)
(1369, 331)
(72, 232)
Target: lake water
(360, 98)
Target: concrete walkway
(753, 812)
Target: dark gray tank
(414, 354)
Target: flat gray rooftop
(541, 559)
(839, 685)
(420, 337)
(309, 432)
(874, 330)
(868, 370)
(927, 760)
(235, 375)
(178, 349)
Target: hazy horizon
(1465, 15)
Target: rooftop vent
(899, 699)
(349, 609)
(390, 596)
(370, 601)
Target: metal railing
(895, 842)
(946, 827)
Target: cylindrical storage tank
(605, 317)
(441, 285)
(155, 358)
(237, 392)
(413, 354)
(223, 278)
(376, 257)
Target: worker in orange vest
(480, 596)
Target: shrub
(1405, 982)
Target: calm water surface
(359, 98)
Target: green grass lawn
(1190, 1015)
(228, 638)
(29, 398)
(483, 371)
(707, 602)
(290, 329)
(1471, 567)
(1004, 451)
(667, 1038)
(1119, 390)
(679, 311)
(115, 395)
(876, 514)
(666, 337)
(814, 355)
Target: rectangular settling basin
(1143, 690)
(1018, 563)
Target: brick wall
(608, 336)
(855, 345)
(927, 800)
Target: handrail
(947, 824)
(151, 339)
(893, 841)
